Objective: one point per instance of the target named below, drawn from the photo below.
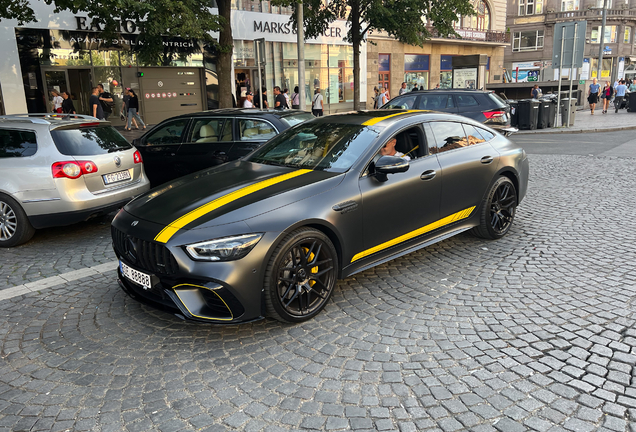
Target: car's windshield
(294, 119)
(319, 146)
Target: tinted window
(168, 133)
(486, 134)
(255, 130)
(318, 146)
(15, 143)
(294, 119)
(498, 101)
(88, 141)
(464, 101)
(473, 135)
(447, 136)
(433, 102)
(405, 102)
(207, 129)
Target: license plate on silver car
(135, 276)
(115, 177)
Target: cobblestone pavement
(531, 332)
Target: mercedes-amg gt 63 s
(270, 234)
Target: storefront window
(105, 58)
(605, 70)
(416, 71)
(446, 72)
(127, 58)
(110, 78)
(63, 57)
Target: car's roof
(49, 119)
(244, 112)
(370, 118)
(447, 91)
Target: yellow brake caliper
(313, 269)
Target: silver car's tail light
(137, 157)
(72, 169)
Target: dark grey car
(192, 142)
(483, 106)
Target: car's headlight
(223, 249)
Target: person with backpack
(317, 105)
(106, 100)
(295, 99)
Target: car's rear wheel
(498, 210)
(300, 276)
(15, 227)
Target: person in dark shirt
(258, 98)
(95, 105)
(67, 104)
(280, 101)
(133, 108)
(107, 101)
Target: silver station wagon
(58, 170)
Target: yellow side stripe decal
(184, 220)
(379, 119)
(418, 232)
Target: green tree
(405, 20)
(185, 19)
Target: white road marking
(52, 281)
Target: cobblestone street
(532, 332)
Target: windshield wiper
(118, 148)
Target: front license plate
(116, 177)
(135, 276)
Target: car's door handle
(172, 154)
(428, 175)
(487, 159)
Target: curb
(573, 130)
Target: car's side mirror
(390, 165)
(136, 142)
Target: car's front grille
(150, 256)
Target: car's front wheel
(498, 210)
(300, 276)
(15, 227)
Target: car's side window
(466, 101)
(447, 136)
(433, 102)
(227, 131)
(405, 102)
(255, 130)
(170, 133)
(473, 135)
(207, 130)
(451, 102)
(17, 143)
(486, 134)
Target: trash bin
(544, 114)
(568, 105)
(552, 115)
(631, 106)
(514, 110)
(528, 113)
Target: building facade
(531, 24)
(390, 62)
(66, 52)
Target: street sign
(259, 50)
(571, 42)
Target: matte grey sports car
(269, 234)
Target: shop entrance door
(77, 82)
(54, 79)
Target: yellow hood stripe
(184, 220)
(379, 119)
(418, 232)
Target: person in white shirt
(402, 89)
(317, 106)
(249, 97)
(286, 94)
(57, 101)
(389, 150)
(384, 97)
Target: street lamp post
(301, 55)
(601, 42)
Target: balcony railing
(590, 14)
(475, 35)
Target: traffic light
(140, 74)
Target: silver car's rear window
(89, 141)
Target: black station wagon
(192, 142)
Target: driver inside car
(389, 150)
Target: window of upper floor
(611, 33)
(479, 21)
(530, 7)
(531, 40)
(570, 5)
(627, 34)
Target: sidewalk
(135, 133)
(599, 122)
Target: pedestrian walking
(402, 89)
(94, 104)
(621, 89)
(67, 103)
(384, 97)
(287, 99)
(295, 99)
(632, 86)
(317, 106)
(592, 94)
(606, 96)
(376, 97)
(124, 107)
(133, 108)
(106, 100)
(56, 101)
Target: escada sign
(286, 28)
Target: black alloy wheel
(15, 227)
(498, 210)
(301, 276)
